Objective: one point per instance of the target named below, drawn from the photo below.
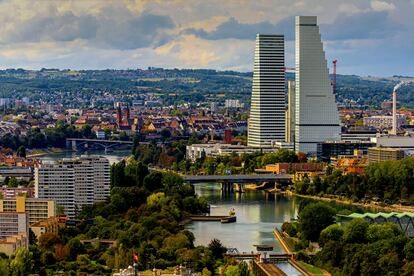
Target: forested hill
(174, 85)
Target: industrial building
(405, 221)
(267, 110)
(36, 209)
(317, 117)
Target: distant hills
(177, 85)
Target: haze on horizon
(368, 37)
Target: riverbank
(371, 205)
(43, 152)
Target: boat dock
(223, 219)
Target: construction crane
(334, 76)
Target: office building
(73, 183)
(384, 154)
(333, 149)
(358, 134)
(36, 209)
(267, 110)
(290, 113)
(316, 112)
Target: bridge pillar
(227, 187)
(239, 188)
(74, 147)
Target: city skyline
(199, 34)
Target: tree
(409, 250)
(171, 181)
(75, 248)
(376, 232)
(217, 248)
(48, 240)
(165, 134)
(87, 131)
(4, 267)
(13, 182)
(333, 232)
(408, 269)
(153, 181)
(356, 231)
(243, 269)
(314, 218)
(21, 152)
(118, 174)
(21, 264)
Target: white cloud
(348, 8)
(382, 6)
(115, 34)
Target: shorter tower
(268, 103)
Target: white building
(267, 110)
(317, 117)
(195, 151)
(233, 103)
(73, 183)
(383, 122)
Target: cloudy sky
(368, 37)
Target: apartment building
(36, 209)
(13, 223)
(10, 244)
(12, 192)
(74, 183)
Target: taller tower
(267, 111)
(317, 117)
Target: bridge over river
(228, 181)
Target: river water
(258, 213)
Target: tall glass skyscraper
(267, 111)
(317, 117)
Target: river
(258, 213)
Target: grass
(313, 269)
